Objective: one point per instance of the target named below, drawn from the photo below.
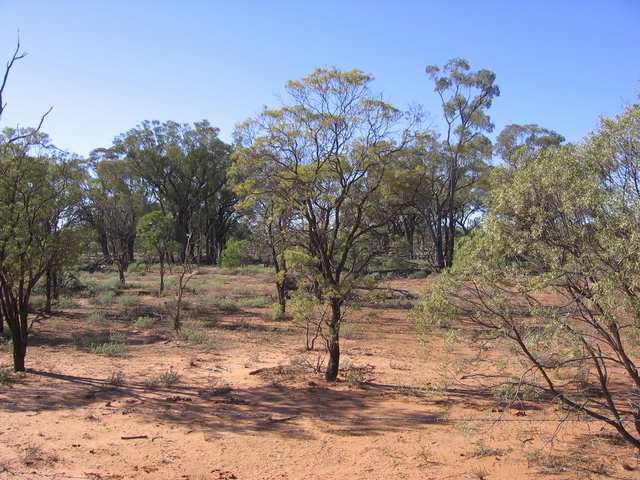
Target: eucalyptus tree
(516, 143)
(155, 233)
(39, 189)
(321, 160)
(463, 151)
(114, 202)
(184, 167)
(556, 271)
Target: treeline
(319, 188)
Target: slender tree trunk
(131, 250)
(162, 272)
(281, 278)
(409, 230)
(48, 292)
(438, 244)
(333, 342)
(451, 220)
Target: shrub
(144, 322)
(110, 349)
(235, 254)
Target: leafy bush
(144, 321)
(235, 254)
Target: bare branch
(16, 56)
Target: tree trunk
(131, 250)
(162, 272)
(282, 282)
(333, 342)
(19, 353)
(19, 334)
(48, 292)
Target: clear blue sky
(107, 65)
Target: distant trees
(459, 160)
(555, 270)
(114, 200)
(441, 176)
(516, 143)
(320, 162)
(185, 171)
(155, 234)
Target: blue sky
(105, 66)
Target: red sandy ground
(249, 405)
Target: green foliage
(166, 379)
(235, 254)
(96, 317)
(39, 186)
(312, 172)
(243, 290)
(129, 300)
(155, 231)
(116, 379)
(144, 321)
(255, 302)
(137, 268)
(110, 349)
(185, 167)
(103, 299)
(226, 304)
(556, 270)
(6, 375)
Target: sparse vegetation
(165, 379)
(534, 310)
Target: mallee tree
(322, 160)
(39, 188)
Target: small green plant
(105, 298)
(136, 311)
(96, 317)
(254, 357)
(355, 376)
(170, 377)
(129, 300)
(217, 386)
(257, 270)
(139, 269)
(67, 302)
(143, 322)
(255, 302)
(116, 379)
(6, 375)
(5, 338)
(226, 304)
(399, 366)
(243, 290)
(37, 303)
(194, 335)
(166, 379)
(151, 383)
(201, 309)
(110, 349)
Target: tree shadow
(284, 409)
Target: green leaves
(555, 268)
